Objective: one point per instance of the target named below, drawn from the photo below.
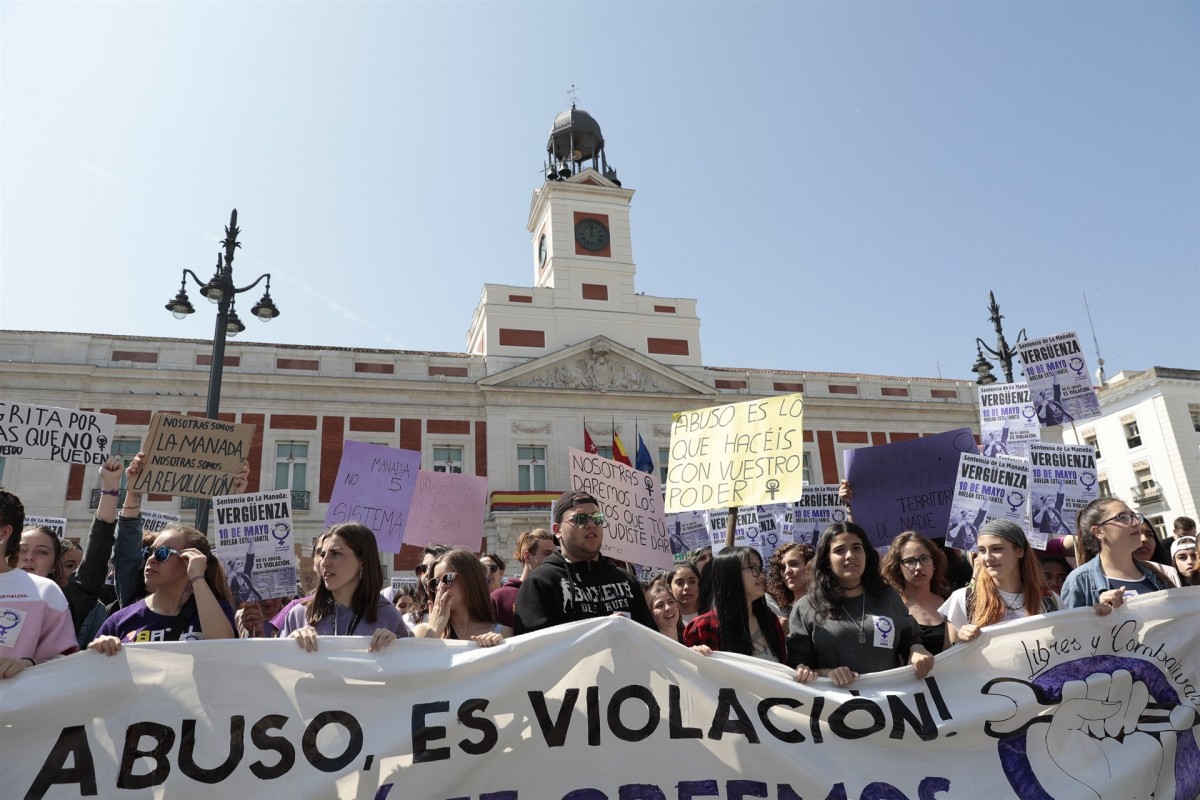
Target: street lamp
(220, 289)
(1003, 353)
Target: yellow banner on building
(740, 454)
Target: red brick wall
(373, 424)
(449, 372)
(136, 356)
(515, 337)
(452, 426)
(595, 291)
(789, 387)
(332, 437)
(297, 363)
(829, 467)
(374, 369)
(481, 449)
(259, 421)
(295, 422)
(230, 361)
(667, 347)
(410, 434)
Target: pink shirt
(35, 621)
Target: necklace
(861, 621)
(1019, 605)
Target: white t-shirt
(35, 620)
(955, 608)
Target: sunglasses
(580, 520)
(420, 569)
(160, 554)
(447, 579)
(491, 568)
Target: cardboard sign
(906, 486)
(447, 508)
(1059, 383)
(986, 489)
(1008, 422)
(636, 530)
(192, 456)
(306, 569)
(748, 453)
(46, 433)
(375, 486)
(254, 542)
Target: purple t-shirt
(386, 616)
(137, 623)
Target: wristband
(110, 492)
(197, 578)
(32, 663)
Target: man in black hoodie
(578, 583)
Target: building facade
(1148, 442)
(579, 347)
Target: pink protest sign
(448, 509)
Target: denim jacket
(1085, 583)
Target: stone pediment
(598, 365)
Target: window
(1133, 437)
(807, 468)
(1159, 525)
(448, 459)
(291, 465)
(663, 454)
(531, 469)
(1146, 487)
(604, 452)
(1090, 441)
(1195, 420)
(1104, 489)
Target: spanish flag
(619, 453)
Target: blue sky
(839, 184)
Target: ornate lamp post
(220, 289)
(1003, 353)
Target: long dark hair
(729, 602)
(361, 541)
(825, 594)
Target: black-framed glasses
(1126, 518)
(491, 568)
(160, 554)
(580, 520)
(755, 571)
(917, 561)
(447, 579)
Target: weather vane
(571, 94)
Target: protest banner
(155, 521)
(46, 433)
(906, 486)
(816, 510)
(1062, 481)
(606, 709)
(56, 524)
(687, 531)
(987, 489)
(745, 532)
(1008, 422)
(306, 573)
(192, 456)
(1059, 384)
(749, 453)
(254, 542)
(636, 530)
(447, 508)
(375, 486)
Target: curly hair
(776, 587)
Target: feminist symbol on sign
(1076, 364)
(772, 487)
(101, 442)
(1087, 479)
(1015, 499)
(8, 621)
(649, 484)
(281, 532)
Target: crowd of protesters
(835, 609)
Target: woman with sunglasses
(851, 622)
(462, 606)
(916, 568)
(188, 596)
(347, 601)
(1110, 532)
(739, 620)
(494, 565)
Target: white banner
(55, 434)
(1071, 706)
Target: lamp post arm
(266, 275)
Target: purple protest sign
(906, 486)
(448, 509)
(375, 487)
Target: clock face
(591, 235)
(542, 251)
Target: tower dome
(575, 139)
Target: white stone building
(1148, 442)
(578, 347)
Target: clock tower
(583, 270)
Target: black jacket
(560, 591)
